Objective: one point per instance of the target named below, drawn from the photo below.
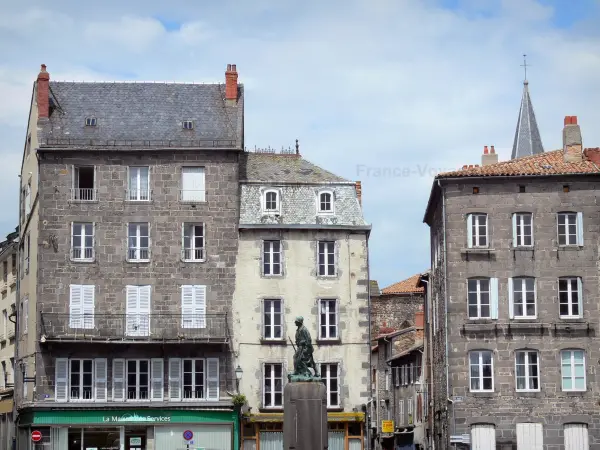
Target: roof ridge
(196, 83)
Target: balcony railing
(138, 254)
(138, 195)
(83, 194)
(206, 328)
(190, 195)
(192, 254)
(82, 253)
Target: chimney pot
(359, 192)
(231, 85)
(572, 141)
(485, 150)
(492, 151)
(465, 167)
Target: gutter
(115, 148)
(298, 183)
(278, 226)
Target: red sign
(36, 436)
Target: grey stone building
(514, 301)
(130, 211)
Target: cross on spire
(525, 65)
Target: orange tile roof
(407, 286)
(548, 163)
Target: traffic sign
(36, 436)
(188, 435)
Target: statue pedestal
(305, 416)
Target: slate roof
(142, 111)
(283, 168)
(408, 286)
(527, 135)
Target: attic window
(521, 188)
(475, 190)
(566, 188)
(188, 125)
(90, 121)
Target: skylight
(90, 121)
(188, 124)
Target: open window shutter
(118, 376)
(158, 375)
(100, 369)
(187, 306)
(511, 308)
(61, 379)
(580, 295)
(212, 378)
(200, 306)
(494, 297)
(76, 306)
(88, 306)
(131, 305)
(174, 379)
(579, 228)
(514, 230)
(199, 183)
(470, 231)
(144, 309)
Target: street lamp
(238, 373)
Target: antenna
(525, 65)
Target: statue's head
(299, 321)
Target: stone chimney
(572, 142)
(231, 84)
(43, 93)
(419, 323)
(489, 156)
(359, 192)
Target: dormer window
(90, 121)
(325, 202)
(271, 201)
(188, 125)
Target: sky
(388, 92)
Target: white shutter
(469, 230)
(25, 314)
(88, 306)
(192, 183)
(511, 306)
(580, 295)
(118, 376)
(494, 297)
(514, 230)
(131, 305)
(61, 379)
(76, 306)
(483, 437)
(530, 436)
(144, 310)
(576, 436)
(158, 375)
(100, 376)
(187, 306)
(579, 228)
(174, 379)
(200, 306)
(212, 378)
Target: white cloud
(135, 34)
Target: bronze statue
(303, 356)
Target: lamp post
(238, 376)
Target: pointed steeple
(527, 137)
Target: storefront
(265, 431)
(130, 430)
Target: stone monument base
(305, 416)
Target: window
(5, 271)
(326, 202)
(81, 375)
(330, 376)
(328, 319)
(139, 184)
(27, 252)
(138, 242)
(28, 199)
(273, 386)
(573, 370)
(83, 184)
(90, 121)
(80, 380)
(188, 124)
(570, 228)
(272, 257)
(82, 306)
(138, 379)
(25, 311)
(193, 242)
(530, 436)
(570, 297)
(326, 258)
(193, 184)
(273, 319)
(193, 379)
(477, 230)
(409, 410)
(4, 379)
(271, 201)
(4, 330)
(193, 306)
(138, 311)
(481, 371)
(401, 412)
(576, 436)
(82, 241)
(13, 268)
(521, 188)
(527, 370)
(522, 298)
(522, 230)
(483, 437)
(479, 298)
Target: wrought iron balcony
(127, 328)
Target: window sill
(84, 261)
(574, 393)
(327, 277)
(273, 341)
(524, 248)
(270, 409)
(83, 201)
(569, 247)
(279, 275)
(137, 261)
(127, 200)
(193, 260)
(482, 394)
(335, 409)
(337, 341)
(530, 394)
(478, 250)
(193, 202)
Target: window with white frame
(527, 370)
(573, 370)
(570, 228)
(192, 379)
(409, 410)
(326, 258)
(522, 298)
(272, 319)
(481, 370)
(330, 375)
(193, 242)
(570, 297)
(80, 380)
(28, 198)
(193, 306)
(137, 305)
(401, 412)
(193, 187)
(138, 242)
(138, 379)
(25, 311)
(272, 258)
(477, 230)
(82, 306)
(479, 298)
(271, 203)
(328, 319)
(522, 230)
(139, 183)
(27, 252)
(273, 385)
(325, 202)
(83, 184)
(82, 241)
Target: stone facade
(394, 311)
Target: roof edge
(251, 226)
(311, 183)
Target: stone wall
(391, 311)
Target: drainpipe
(429, 384)
(370, 376)
(17, 331)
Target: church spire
(527, 136)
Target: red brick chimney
(231, 85)
(572, 142)
(489, 156)
(359, 192)
(419, 323)
(43, 93)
